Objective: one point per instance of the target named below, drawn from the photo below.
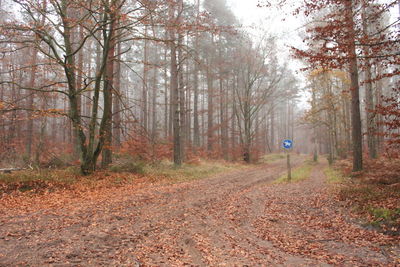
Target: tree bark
(117, 99)
(154, 100)
(108, 101)
(79, 78)
(181, 100)
(174, 91)
(31, 99)
(144, 85)
(369, 96)
(210, 109)
(196, 126)
(355, 98)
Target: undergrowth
(188, 171)
(123, 171)
(38, 180)
(298, 174)
(268, 158)
(333, 175)
(374, 195)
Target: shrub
(128, 164)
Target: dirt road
(233, 219)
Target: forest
(159, 79)
(150, 79)
(116, 99)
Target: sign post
(287, 145)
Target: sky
(278, 22)
(270, 19)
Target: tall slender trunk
(378, 100)
(175, 92)
(355, 98)
(224, 143)
(144, 86)
(167, 108)
(188, 104)
(272, 129)
(181, 93)
(196, 130)
(369, 97)
(154, 101)
(233, 120)
(117, 100)
(247, 133)
(31, 100)
(108, 101)
(314, 138)
(196, 126)
(210, 108)
(79, 79)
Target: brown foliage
(375, 189)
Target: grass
(119, 174)
(188, 172)
(384, 214)
(38, 180)
(298, 174)
(333, 176)
(386, 219)
(129, 166)
(68, 175)
(272, 157)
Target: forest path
(233, 219)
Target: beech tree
(60, 47)
(146, 80)
(258, 81)
(336, 38)
(329, 112)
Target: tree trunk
(154, 103)
(210, 108)
(314, 138)
(31, 99)
(181, 101)
(144, 86)
(223, 124)
(272, 128)
(79, 78)
(175, 92)
(378, 101)
(116, 99)
(196, 126)
(196, 130)
(369, 96)
(108, 101)
(355, 98)
(167, 108)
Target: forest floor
(239, 218)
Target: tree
(175, 87)
(97, 66)
(328, 114)
(57, 45)
(336, 39)
(257, 84)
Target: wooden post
(289, 175)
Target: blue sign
(287, 144)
